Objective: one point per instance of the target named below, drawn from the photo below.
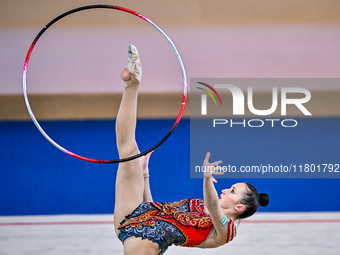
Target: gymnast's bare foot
(132, 74)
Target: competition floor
(264, 233)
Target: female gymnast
(147, 227)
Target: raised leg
(129, 180)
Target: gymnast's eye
(233, 191)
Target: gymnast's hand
(210, 168)
(144, 163)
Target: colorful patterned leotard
(181, 223)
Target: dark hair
(252, 200)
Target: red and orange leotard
(181, 223)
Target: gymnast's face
(230, 198)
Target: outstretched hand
(210, 168)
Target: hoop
(119, 9)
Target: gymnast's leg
(129, 180)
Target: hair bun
(264, 199)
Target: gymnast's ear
(240, 207)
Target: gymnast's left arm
(212, 203)
(147, 197)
